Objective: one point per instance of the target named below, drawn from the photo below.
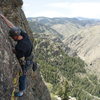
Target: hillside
(40, 28)
(9, 66)
(57, 24)
(65, 75)
(63, 26)
(86, 43)
(79, 35)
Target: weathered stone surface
(12, 10)
(9, 66)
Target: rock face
(12, 10)
(9, 66)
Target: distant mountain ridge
(64, 27)
(41, 28)
(62, 20)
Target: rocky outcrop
(12, 10)
(9, 66)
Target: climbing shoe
(18, 94)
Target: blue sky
(62, 8)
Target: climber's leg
(22, 85)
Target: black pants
(22, 78)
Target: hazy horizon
(64, 17)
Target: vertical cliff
(9, 66)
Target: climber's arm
(10, 24)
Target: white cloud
(62, 9)
(86, 9)
(59, 5)
(50, 14)
(78, 9)
(74, 5)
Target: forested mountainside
(9, 66)
(65, 75)
(86, 43)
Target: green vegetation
(67, 75)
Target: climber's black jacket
(24, 47)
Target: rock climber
(23, 52)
